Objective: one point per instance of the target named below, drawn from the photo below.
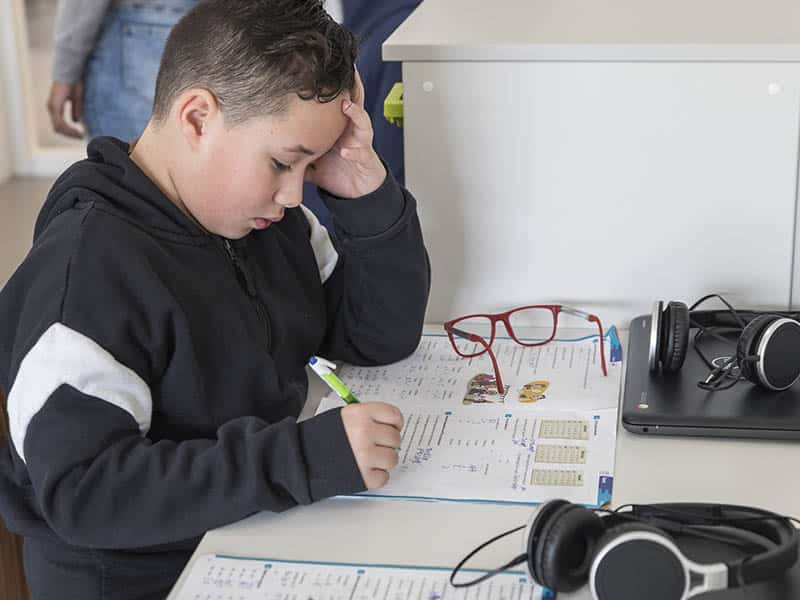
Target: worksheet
(512, 456)
(552, 434)
(219, 577)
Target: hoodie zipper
(244, 279)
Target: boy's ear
(196, 109)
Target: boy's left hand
(351, 168)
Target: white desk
(648, 469)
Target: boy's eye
(279, 166)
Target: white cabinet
(561, 153)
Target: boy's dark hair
(253, 54)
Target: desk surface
(648, 469)
(626, 30)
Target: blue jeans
(120, 76)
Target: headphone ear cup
(615, 578)
(616, 531)
(675, 336)
(748, 340)
(537, 524)
(562, 552)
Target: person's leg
(56, 571)
(142, 576)
(120, 76)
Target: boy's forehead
(308, 127)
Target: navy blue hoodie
(154, 371)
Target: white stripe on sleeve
(64, 356)
(324, 252)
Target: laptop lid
(656, 403)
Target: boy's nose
(289, 196)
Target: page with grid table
(552, 432)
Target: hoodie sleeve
(378, 291)
(77, 25)
(80, 409)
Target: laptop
(672, 404)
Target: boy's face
(242, 178)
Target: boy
(153, 342)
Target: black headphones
(631, 554)
(767, 348)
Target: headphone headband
(772, 526)
(724, 318)
(567, 545)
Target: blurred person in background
(105, 62)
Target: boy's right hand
(373, 430)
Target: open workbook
(218, 577)
(551, 433)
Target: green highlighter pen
(322, 367)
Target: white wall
(5, 140)
(28, 157)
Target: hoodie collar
(109, 177)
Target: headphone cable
(512, 563)
(732, 310)
(728, 374)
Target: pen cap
(319, 364)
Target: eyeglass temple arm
(498, 380)
(466, 335)
(476, 338)
(578, 313)
(594, 319)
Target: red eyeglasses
(467, 342)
